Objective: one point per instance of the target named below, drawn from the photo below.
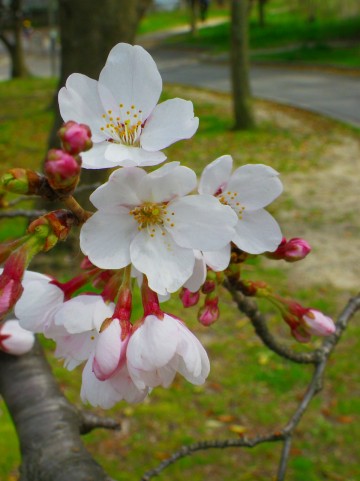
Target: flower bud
(209, 313)
(62, 170)
(208, 287)
(10, 280)
(75, 137)
(21, 181)
(189, 298)
(305, 322)
(317, 324)
(51, 228)
(293, 250)
(14, 339)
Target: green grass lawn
(326, 40)
(250, 389)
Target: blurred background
(274, 82)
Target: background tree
(11, 19)
(239, 54)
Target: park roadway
(335, 94)
(332, 93)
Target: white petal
(194, 363)
(105, 238)
(121, 189)
(108, 351)
(123, 384)
(218, 260)
(170, 121)
(167, 182)
(132, 77)
(153, 344)
(216, 175)
(95, 157)
(201, 222)
(19, 342)
(257, 185)
(128, 156)
(75, 348)
(198, 276)
(81, 313)
(257, 232)
(38, 304)
(166, 265)
(97, 393)
(79, 101)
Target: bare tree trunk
(193, 12)
(14, 45)
(261, 12)
(48, 426)
(243, 114)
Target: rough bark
(239, 50)
(48, 426)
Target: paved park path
(336, 95)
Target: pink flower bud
(14, 339)
(75, 137)
(293, 250)
(10, 280)
(62, 170)
(305, 322)
(189, 298)
(316, 323)
(209, 313)
(208, 286)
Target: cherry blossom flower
(14, 339)
(159, 348)
(128, 128)
(247, 190)
(150, 221)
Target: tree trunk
(261, 12)
(48, 426)
(239, 50)
(14, 44)
(193, 13)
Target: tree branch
(90, 421)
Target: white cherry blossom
(160, 348)
(128, 128)
(247, 190)
(150, 221)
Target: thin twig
(216, 443)
(30, 214)
(90, 421)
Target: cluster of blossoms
(159, 228)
